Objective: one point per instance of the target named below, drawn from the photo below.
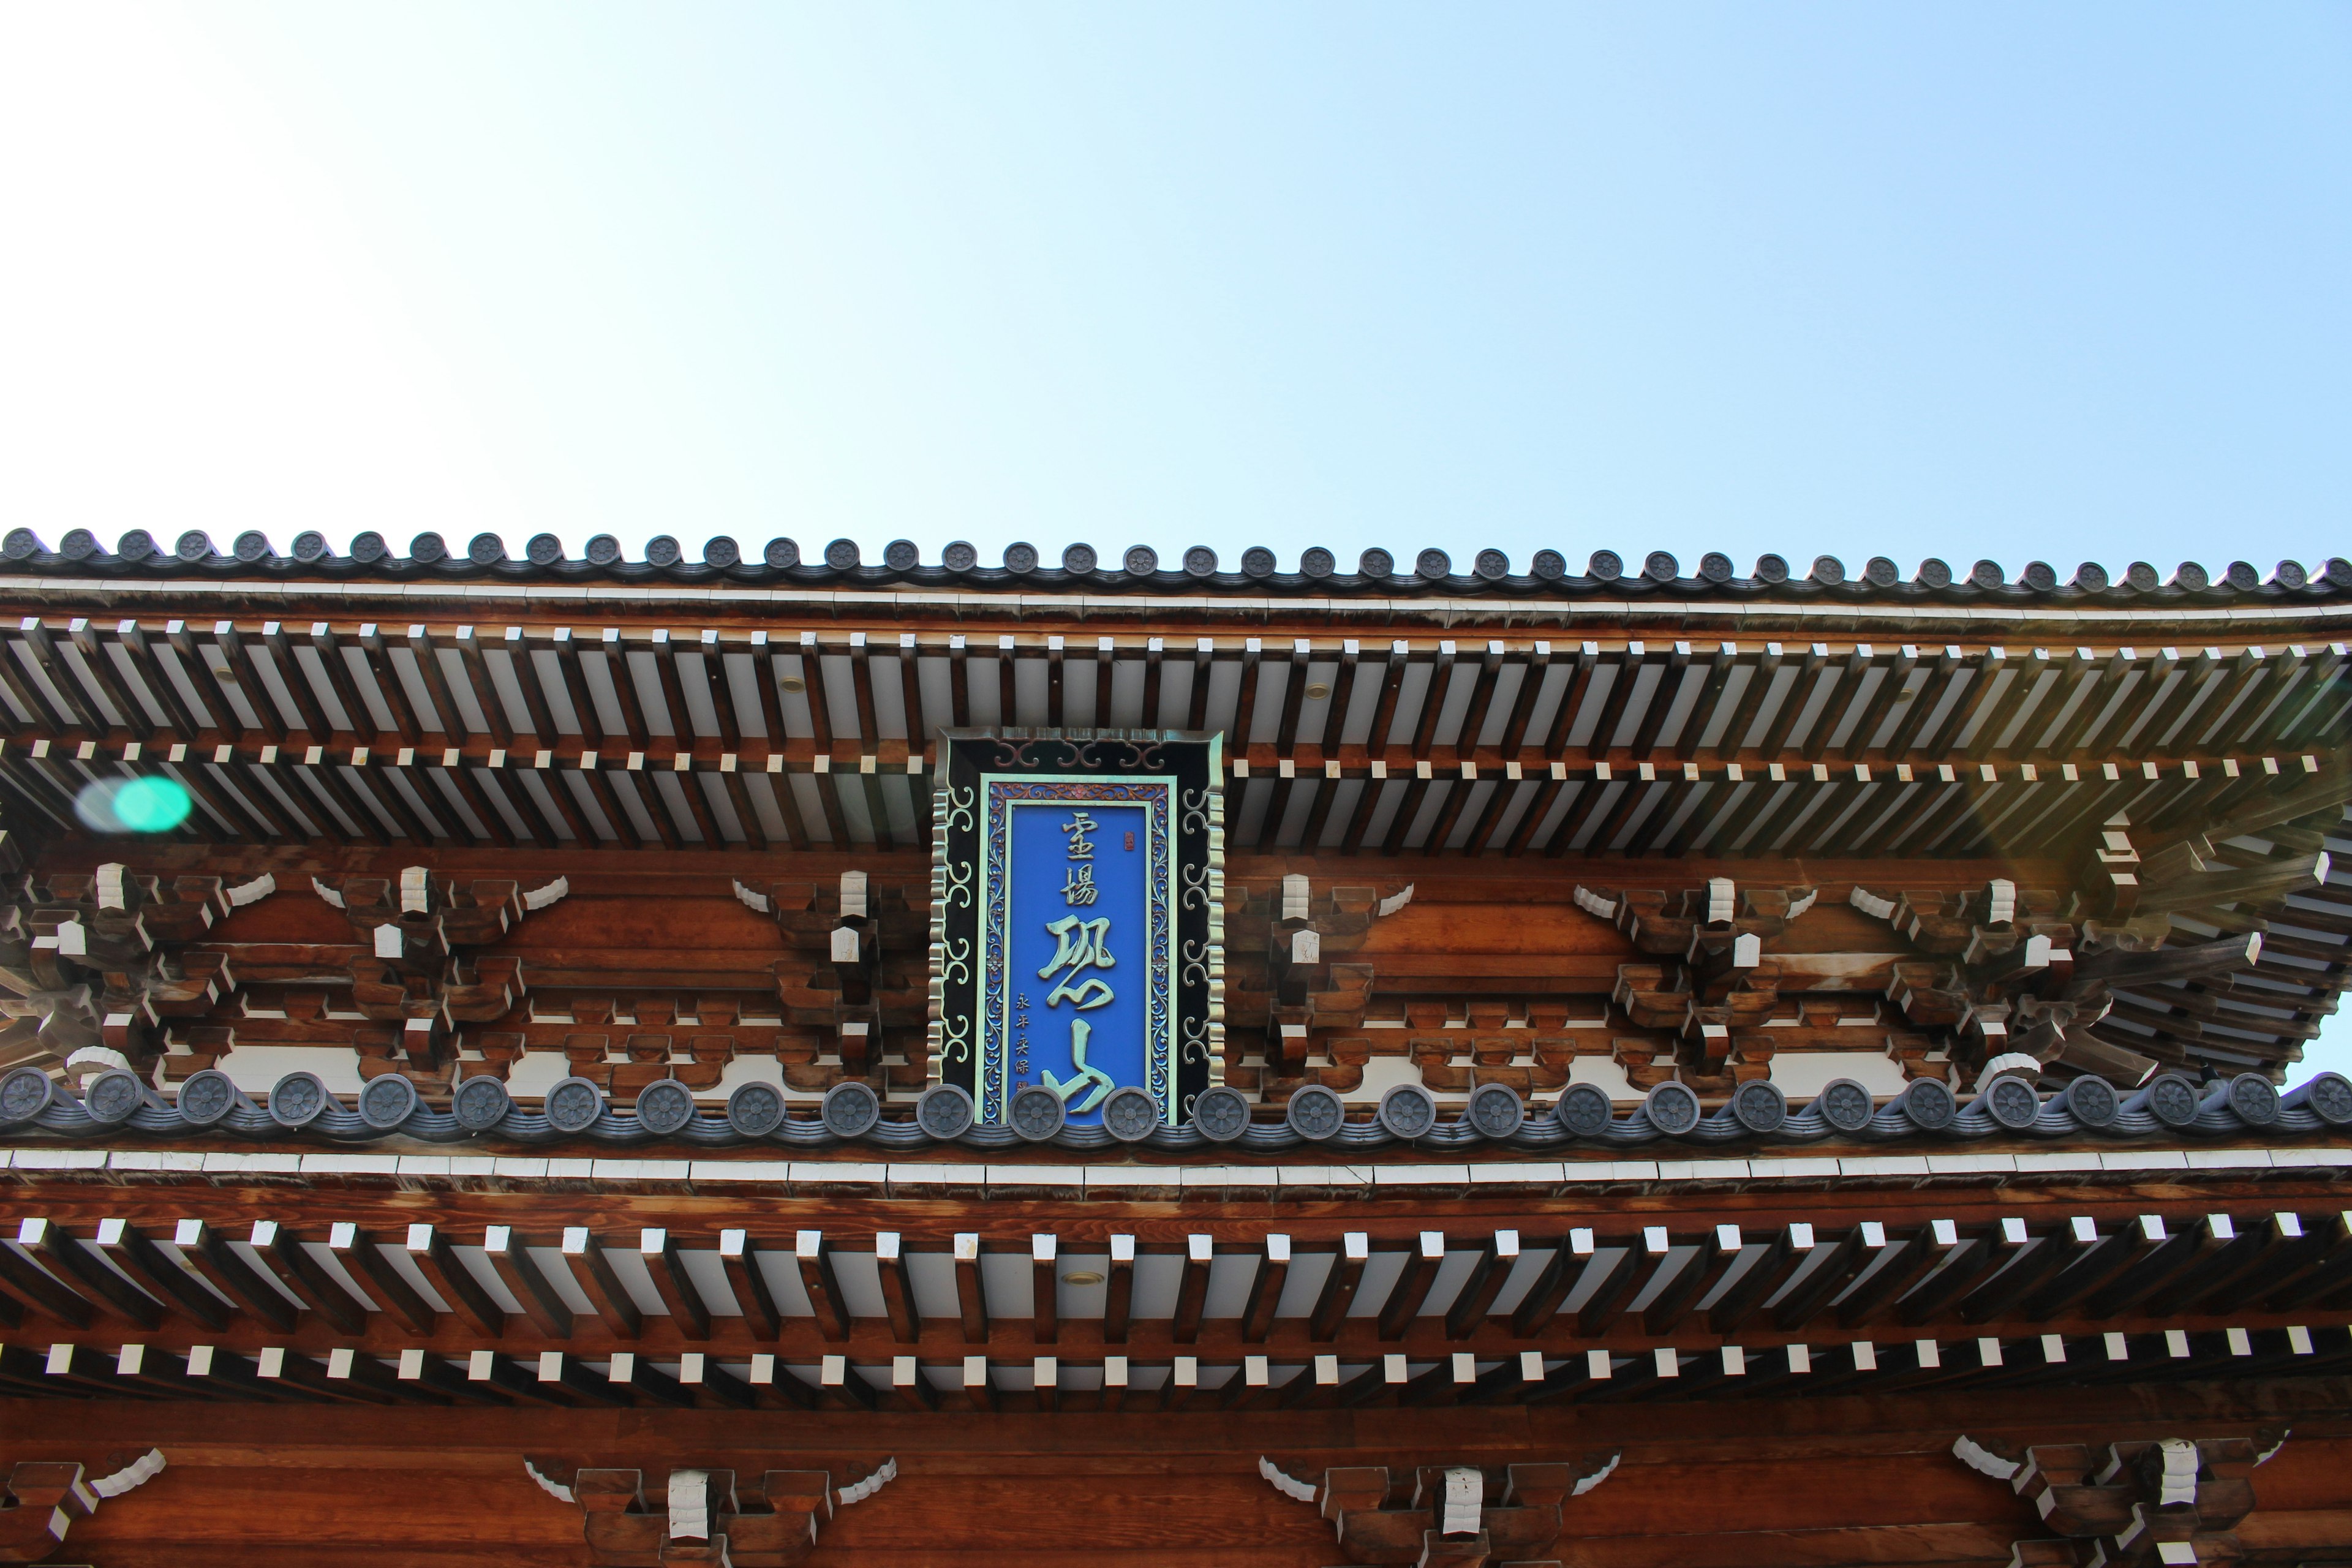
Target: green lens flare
(153, 805)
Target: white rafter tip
(539, 898)
(329, 894)
(1389, 906)
(1288, 1486)
(757, 902)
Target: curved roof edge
(841, 565)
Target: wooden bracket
(700, 1517)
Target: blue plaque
(1076, 938)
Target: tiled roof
(1316, 570)
(2171, 1109)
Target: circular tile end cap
(782, 554)
(1376, 563)
(1671, 1107)
(1078, 558)
(2329, 1098)
(298, 1100)
(1316, 563)
(902, 555)
(1140, 561)
(1772, 569)
(2012, 1102)
(944, 1111)
(755, 1109)
(1037, 1113)
(2170, 1099)
(1495, 1112)
(1929, 1103)
(850, 1109)
(2092, 1102)
(1492, 565)
(1220, 1113)
(1131, 1114)
(1584, 1110)
(113, 1096)
(479, 1104)
(1659, 566)
(1199, 561)
(1431, 566)
(574, 1104)
(2253, 1098)
(842, 554)
(25, 1094)
(1759, 1106)
(1845, 1104)
(482, 550)
(387, 1101)
(1315, 1113)
(1408, 1112)
(721, 550)
(664, 1106)
(1605, 566)
(1258, 561)
(207, 1097)
(544, 550)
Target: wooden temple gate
(1696, 1069)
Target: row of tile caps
(1082, 569)
(756, 1114)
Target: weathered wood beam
(429, 1250)
(657, 1249)
(510, 1257)
(168, 1278)
(898, 1301)
(209, 1254)
(359, 1249)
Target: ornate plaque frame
(981, 778)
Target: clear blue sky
(2066, 282)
